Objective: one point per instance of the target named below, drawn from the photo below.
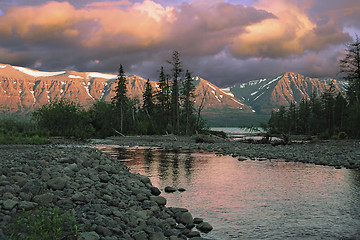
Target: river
(270, 199)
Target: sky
(223, 41)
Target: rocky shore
(107, 201)
(337, 153)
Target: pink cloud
(72, 34)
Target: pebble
(97, 188)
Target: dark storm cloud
(222, 42)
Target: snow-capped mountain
(23, 90)
(265, 95)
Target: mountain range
(23, 90)
(268, 94)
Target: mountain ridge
(23, 90)
(265, 95)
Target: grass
(33, 140)
(43, 223)
(14, 131)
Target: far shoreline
(336, 153)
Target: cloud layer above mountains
(223, 41)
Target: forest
(167, 110)
(333, 114)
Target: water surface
(270, 199)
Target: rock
(20, 180)
(103, 230)
(9, 204)
(155, 191)
(140, 236)
(78, 197)
(157, 236)
(170, 189)
(159, 200)
(88, 236)
(144, 179)
(58, 183)
(204, 227)
(198, 220)
(44, 199)
(25, 196)
(104, 177)
(176, 209)
(186, 218)
(27, 205)
(34, 187)
(180, 226)
(193, 234)
(141, 197)
(199, 238)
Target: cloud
(292, 32)
(221, 40)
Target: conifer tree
(148, 99)
(350, 66)
(163, 98)
(120, 99)
(175, 104)
(188, 100)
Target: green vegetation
(168, 110)
(331, 115)
(43, 223)
(64, 118)
(14, 131)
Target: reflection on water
(255, 200)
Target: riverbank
(337, 153)
(107, 201)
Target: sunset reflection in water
(270, 199)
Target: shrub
(342, 135)
(64, 118)
(42, 223)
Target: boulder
(170, 189)
(9, 204)
(44, 199)
(198, 220)
(155, 191)
(58, 183)
(193, 234)
(27, 205)
(204, 227)
(186, 218)
(159, 200)
(157, 236)
(88, 236)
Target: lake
(270, 199)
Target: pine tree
(120, 99)
(188, 100)
(148, 98)
(163, 98)
(328, 103)
(350, 66)
(175, 105)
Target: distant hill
(22, 90)
(265, 95)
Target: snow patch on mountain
(102, 75)
(35, 73)
(2, 66)
(73, 76)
